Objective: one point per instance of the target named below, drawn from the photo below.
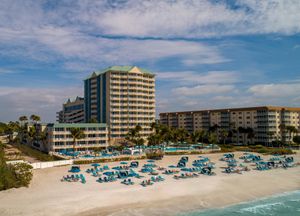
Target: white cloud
(278, 90)
(6, 71)
(201, 78)
(69, 43)
(42, 101)
(212, 96)
(73, 33)
(197, 18)
(297, 46)
(202, 90)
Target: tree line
(214, 134)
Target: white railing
(43, 165)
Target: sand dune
(48, 196)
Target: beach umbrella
(95, 165)
(150, 161)
(108, 173)
(123, 162)
(172, 166)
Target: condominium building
(122, 97)
(72, 111)
(266, 122)
(59, 137)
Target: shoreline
(160, 205)
(163, 207)
(48, 196)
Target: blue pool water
(287, 204)
(174, 149)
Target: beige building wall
(265, 121)
(72, 111)
(59, 137)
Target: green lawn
(30, 152)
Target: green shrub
(155, 154)
(23, 173)
(256, 148)
(281, 151)
(13, 176)
(296, 139)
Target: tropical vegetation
(214, 134)
(13, 176)
(76, 134)
(134, 137)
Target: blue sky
(205, 53)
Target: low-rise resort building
(59, 137)
(252, 125)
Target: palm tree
(231, 130)
(202, 135)
(270, 135)
(151, 140)
(35, 118)
(175, 135)
(182, 134)
(224, 134)
(133, 135)
(93, 120)
(212, 139)
(282, 128)
(250, 134)
(43, 138)
(291, 130)
(242, 131)
(76, 134)
(195, 136)
(23, 119)
(32, 133)
(166, 134)
(12, 127)
(157, 134)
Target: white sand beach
(47, 195)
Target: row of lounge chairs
(170, 172)
(124, 167)
(186, 175)
(227, 156)
(97, 169)
(146, 170)
(236, 170)
(157, 178)
(146, 183)
(106, 179)
(151, 165)
(285, 163)
(127, 182)
(74, 178)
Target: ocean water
(286, 204)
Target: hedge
(258, 149)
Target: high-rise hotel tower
(122, 97)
